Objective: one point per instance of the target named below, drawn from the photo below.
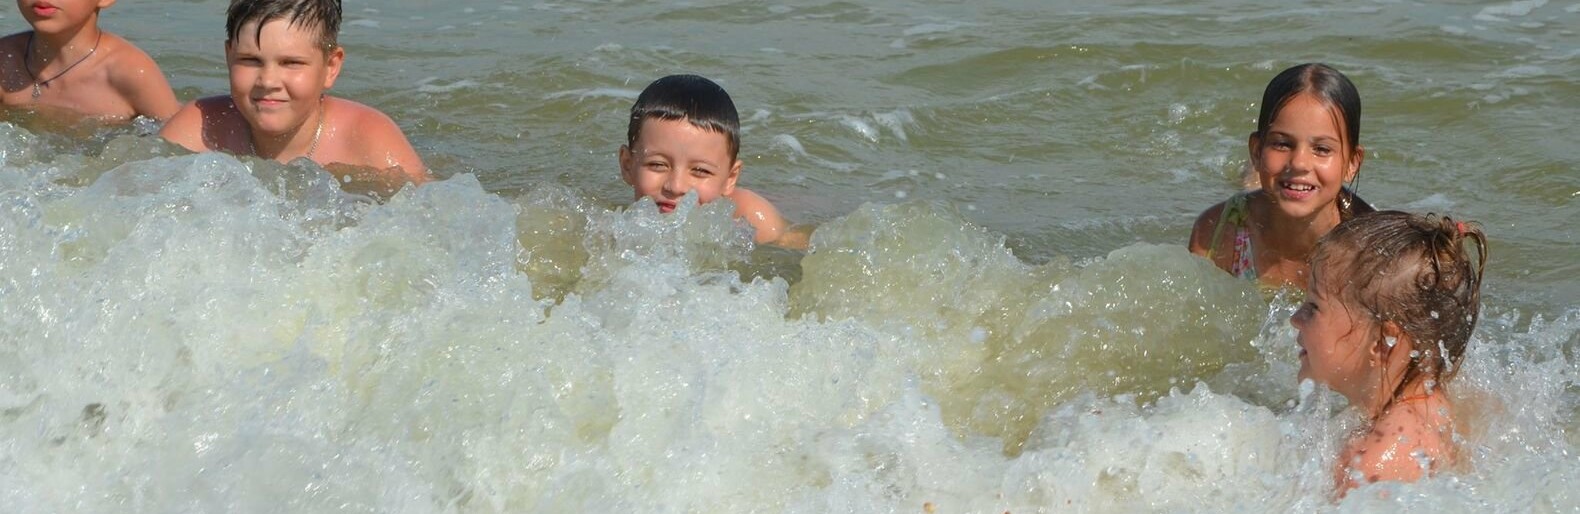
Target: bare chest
(86, 92)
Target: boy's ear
(735, 174)
(337, 57)
(627, 166)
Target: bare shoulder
(368, 137)
(1206, 225)
(11, 49)
(761, 213)
(15, 43)
(357, 114)
(207, 124)
(123, 57)
(1403, 446)
(135, 75)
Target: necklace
(317, 132)
(38, 85)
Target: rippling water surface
(997, 313)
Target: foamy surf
(201, 333)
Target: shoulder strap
(1233, 212)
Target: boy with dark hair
(684, 135)
(283, 56)
(68, 64)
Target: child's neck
(1413, 393)
(62, 48)
(1294, 238)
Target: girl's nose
(1298, 318)
(1303, 160)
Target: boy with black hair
(683, 136)
(68, 64)
(283, 56)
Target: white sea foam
(201, 333)
(1514, 9)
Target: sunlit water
(997, 313)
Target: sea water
(996, 314)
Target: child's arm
(762, 214)
(140, 81)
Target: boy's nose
(268, 76)
(676, 185)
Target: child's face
(55, 16)
(1301, 160)
(673, 157)
(1335, 341)
(278, 72)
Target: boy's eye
(702, 172)
(657, 165)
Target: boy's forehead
(654, 127)
(289, 27)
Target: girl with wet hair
(1390, 307)
(1306, 147)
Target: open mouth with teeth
(1295, 190)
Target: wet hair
(1415, 271)
(687, 97)
(321, 15)
(1331, 88)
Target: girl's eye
(1323, 150)
(1282, 145)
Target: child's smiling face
(672, 157)
(1335, 341)
(278, 72)
(1302, 160)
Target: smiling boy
(66, 64)
(684, 135)
(283, 56)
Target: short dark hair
(687, 97)
(323, 15)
